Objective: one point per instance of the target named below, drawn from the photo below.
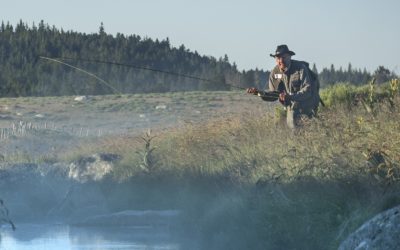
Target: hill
(23, 73)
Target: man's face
(283, 61)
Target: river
(60, 237)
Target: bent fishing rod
(272, 96)
(81, 70)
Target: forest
(24, 73)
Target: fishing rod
(81, 70)
(267, 96)
(135, 66)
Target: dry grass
(334, 145)
(345, 140)
(248, 182)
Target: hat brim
(280, 54)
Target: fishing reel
(269, 96)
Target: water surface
(60, 237)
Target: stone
(92, 168)
(381, 232)
(161, 107)
(81, 98)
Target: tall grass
(337, 144)
(249, 182)
(345, 140)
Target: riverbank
(241, 181)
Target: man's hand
(284, 98)
(253, 91)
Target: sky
(365, 33)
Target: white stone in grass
(161, 107)
(82, 98)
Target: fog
(58, 202)
(78, 174)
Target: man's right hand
(253, 91)
(284, 98)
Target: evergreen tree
(314, 69)
(382, 75)
(23, 73)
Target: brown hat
(281, 50)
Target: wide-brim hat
(281, 50)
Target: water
(60, 237)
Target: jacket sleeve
(305, 91)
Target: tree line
(24, 73)
(354, 76)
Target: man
(297, 86)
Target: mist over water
(53, 211)
(46, 197)
(103, 199)
(60, 237)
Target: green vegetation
(248, 182)
(23, 73)
(253, 145)
(243, 181)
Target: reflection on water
(64, 237)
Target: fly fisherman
(297, 85)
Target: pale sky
(365, 33)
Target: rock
(161, 107)
(81, 98)
(381, 232)
(92, 168)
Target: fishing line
(139, 67)
(267, 96)
(84, 71)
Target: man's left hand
(284, 98)
(253, 91)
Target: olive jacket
(299, 84)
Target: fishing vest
(296, 81)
